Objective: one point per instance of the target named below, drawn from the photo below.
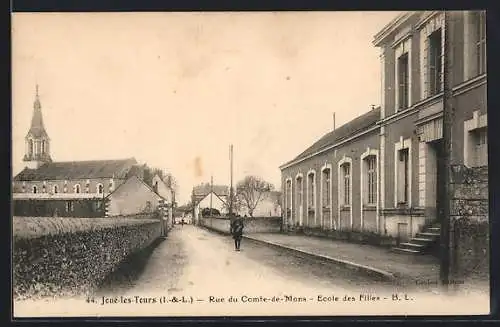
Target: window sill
(345, 208)
(370, 207)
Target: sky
(173, 90)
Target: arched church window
(77, 188)
(100, 189)
(35, 189)
(30, 147)
(56, 190)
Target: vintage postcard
(250, 164)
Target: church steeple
(37, 139)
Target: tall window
(30, 142)
(346, 184)
(326, 187)
(100, 189)
(371, 172)
(77, 188)
(311, 188)
(35, 190)
(480, 35)
(69, 206)
(435, 62)
(43, 147)
(288, 196)
(403, 169)
(44, 189)
(403, 81)
(481, 147)
(299, 192)
(56, 190)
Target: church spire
(37, 128)
(37, 139)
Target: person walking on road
(237, 231)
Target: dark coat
(237, 228)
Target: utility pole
(446, 159)
(211, 192)
(231, 187)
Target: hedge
(55, 257)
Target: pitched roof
(37, 128)
(345, 131)
(78, 170)
(129, 183)
(204, 189)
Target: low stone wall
(469, 239)
(252, 225)
(71, 256)
(351, 236)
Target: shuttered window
(481, 147)
(403, 176)
(403, 81)
(435, 62)
(480, 24)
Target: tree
(237, 203)
(250, 191)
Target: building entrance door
(437, 148)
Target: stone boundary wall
(252, 225)
(56, 257)
(470, 232)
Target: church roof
(37, 129)
(78, 170)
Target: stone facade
(469, 241)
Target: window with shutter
(481, 42)
(425, 61)
(403, 81)
(435, 62)
(403, 178)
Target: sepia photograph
(236, 164)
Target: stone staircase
(423, 242)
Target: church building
(77, 188)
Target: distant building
(205, 196)
(269, 205)
(76, 188)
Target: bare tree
(250, 191)
(237, 203)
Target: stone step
(434, 230)
(405, 251)
(422, 240)
(411, 245)
(428, 234)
